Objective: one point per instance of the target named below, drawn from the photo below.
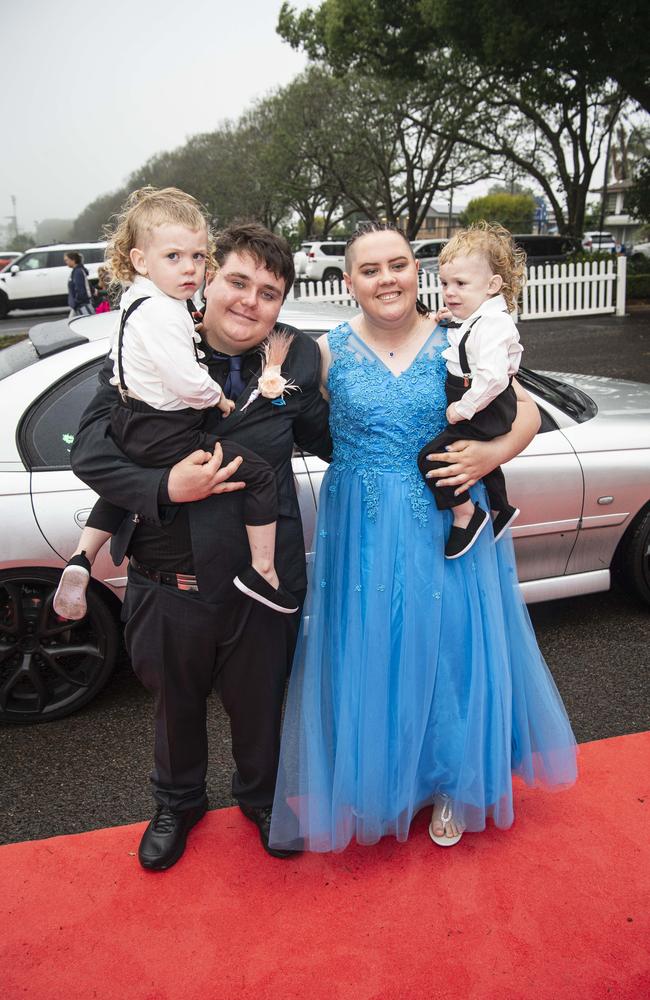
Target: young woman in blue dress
(417, 680)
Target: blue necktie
(234, 384)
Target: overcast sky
(92, 90)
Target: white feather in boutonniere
(272, 384)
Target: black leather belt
(182, 581)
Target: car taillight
(312, 254)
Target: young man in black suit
(187, 628)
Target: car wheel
(50, 667)
(4, 306)
(332, 274)
(632, 559)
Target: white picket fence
(551, 290)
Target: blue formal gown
(415, 675)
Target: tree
(595, 39)
(22, 241)
(383, 151)
(638, 198)
(89, 224)
(553, 132)
(514, 211)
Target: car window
(48, 429)
(93, 255)
(333, 249)
(32, 261)
(428, 250)
(55, 258)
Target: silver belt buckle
(186, 581)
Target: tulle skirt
(413, 676)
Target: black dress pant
(495, 419)
(181, 648)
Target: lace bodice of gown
(380, 421)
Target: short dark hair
(271, 251)
(73, 255)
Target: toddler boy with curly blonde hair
(481, 273)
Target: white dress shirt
(493, 353)
(158, 358)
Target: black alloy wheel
(632, 560)
(50, 667)
(332, 274)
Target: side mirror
(14, 269)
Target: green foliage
(589, 256)
(22, 241)
(638, 199)
(638, 286)
(514, 211)
(89, 225)
(595, 39)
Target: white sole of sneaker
(468, 547)
(507, 525)
(70, 598)
(263, 600)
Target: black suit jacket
(219, 541)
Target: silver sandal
(446, 816)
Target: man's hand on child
(201, 474)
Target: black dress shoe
(163, 842)
(261, 817)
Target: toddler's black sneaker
(251, 583)
(461, 540)
(503, 520)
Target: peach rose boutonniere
(272, 384)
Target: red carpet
(557, 907)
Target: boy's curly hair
(141, 213)
(496, 243)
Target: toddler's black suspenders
(462, 353)
(122, 387)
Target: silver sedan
(583, 487)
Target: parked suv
(325, 260)
(545, 249)
(38, 279)
(427, 251)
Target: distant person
(101, 294)
(481, 273)
(79, 291)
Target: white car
(38, 278)
(641, 248)
(595, 241)
(582, 486)
(427, 252)
(325, 260)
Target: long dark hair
(375, 226)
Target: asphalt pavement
(90, 770)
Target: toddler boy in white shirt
(159, 249)
(481, 273)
